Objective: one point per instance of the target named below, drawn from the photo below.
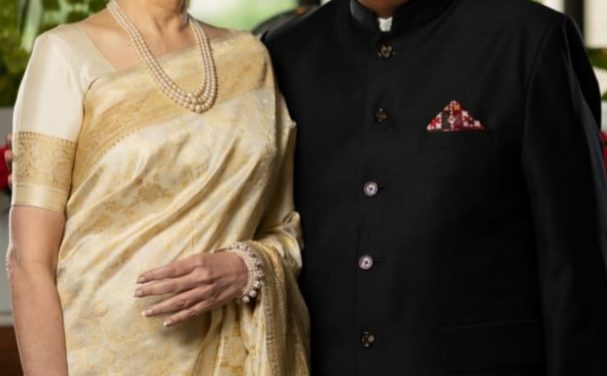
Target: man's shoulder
(507, 15)
(521, 15)
(296, 31)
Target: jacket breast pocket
(501, 345)
(456, 154)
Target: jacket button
(365, 262)
(381, 115)
(368, 339)
(371, 189)
(385, 51)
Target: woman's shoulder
(243, 62)
(234, 41)
(101, 25)
(68, 48)
(60, 48)
(63, 38)
(241, 52)
(68, 42)
(216, 33)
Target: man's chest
(441, 105)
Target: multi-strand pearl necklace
(199, 101)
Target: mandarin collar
(411, 15)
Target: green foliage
(13, 57)
(598, 57)
(241, 14)
(51, 5)
(75, 16)
(36, 16)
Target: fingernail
(140, 280)
(147, 313)
(167, 323)
(138, 293)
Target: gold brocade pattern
(42, 161)
(150, 106)
(152, 183)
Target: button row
(371, 189)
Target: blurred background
(22, 20)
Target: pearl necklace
(198, 101)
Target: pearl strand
(172, 90)
(198, 101)
(139, 42)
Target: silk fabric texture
(144, 182)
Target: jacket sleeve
(562, 160)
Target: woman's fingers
(186, 278)
(168, 286)
(174, 269)
(8, 158)
(187, 314)
(180, 302)
(8, 154)
(213, 299)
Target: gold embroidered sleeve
(42, 170)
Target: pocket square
(454, 118)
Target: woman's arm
(35, 235)
(46, 124)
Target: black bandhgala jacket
(460, 240)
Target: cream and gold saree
(143, 182)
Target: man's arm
(562, 159)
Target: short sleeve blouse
(47, 120)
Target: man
(448, 173)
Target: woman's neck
(157, 17)
(383, 8)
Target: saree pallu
(143, 182)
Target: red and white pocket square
(454, 118)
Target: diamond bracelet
(253, 264)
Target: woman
(144, 138)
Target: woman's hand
(197, 284)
